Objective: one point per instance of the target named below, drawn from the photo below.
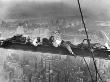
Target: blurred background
(61, 15)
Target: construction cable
(91, 50)
(88, 68)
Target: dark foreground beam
(103, 54)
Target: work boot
(73, 54)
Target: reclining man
(57, 41)
(36, 41)
(41, 36)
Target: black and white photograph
(54, 40)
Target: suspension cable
(88, 68)
(91, 50)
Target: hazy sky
(98, 7)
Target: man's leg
(68, 47)
(70, 50)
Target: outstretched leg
(68, 47)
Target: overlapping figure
(44, 37)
